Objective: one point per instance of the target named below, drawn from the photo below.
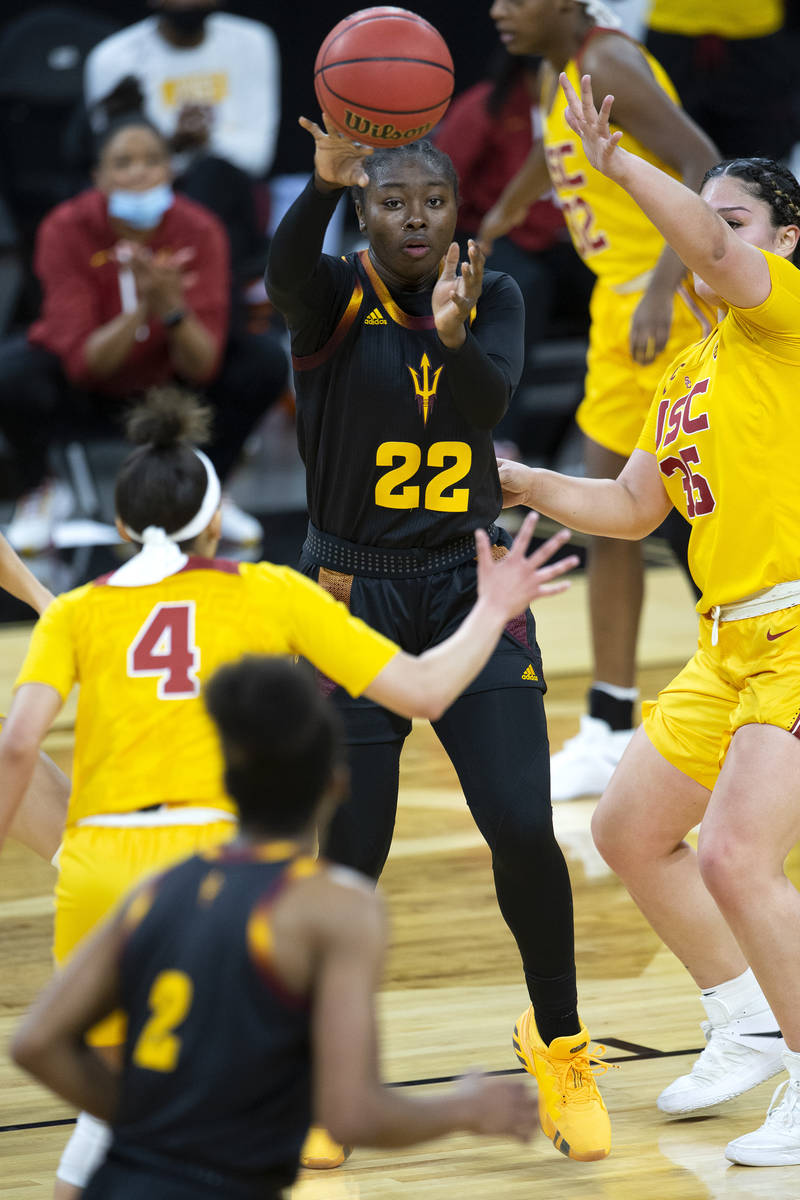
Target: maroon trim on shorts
(517, 628)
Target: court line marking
(638, 1053)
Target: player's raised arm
(702, 237)
(17, 579)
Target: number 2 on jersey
(157, 1047)
(390, 494)
(165, 647)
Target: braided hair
(766, 180)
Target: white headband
(156, 534)
(602, 14)
(160, 555)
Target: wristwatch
(173, 318)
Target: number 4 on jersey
(165, 646)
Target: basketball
(384, 76)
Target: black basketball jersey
(217, 1059)
(390, 459)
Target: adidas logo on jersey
(529, 673)
(376, 317)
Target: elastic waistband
(336, 554)
(782, 595)
(161, 814)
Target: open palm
(591, 126)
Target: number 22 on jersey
(165, 647)
(390, 491)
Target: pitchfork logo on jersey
(425, 387)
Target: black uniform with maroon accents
(216, 1091)
(395, 430)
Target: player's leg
(659, 792)
(752, 822)
(39, 821)
(497, 741)
(361, 831)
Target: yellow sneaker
(320, 1152)
(571, 1109)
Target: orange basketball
(384, 76)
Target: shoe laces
(577, 1075)
(785, 1111)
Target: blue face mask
(142, 210)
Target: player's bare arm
(644, 110)
(734, 269)
(19, 581)
(629, 507)
(32, 712)
(50, 1043)
(349, 1097)
(509, 210)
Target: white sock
(792, 1060)
(618, 693)
(735, 999)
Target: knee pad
(84, 1151)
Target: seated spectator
(136, 292)
(488, 133)
(210, 82)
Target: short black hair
(421, 151)
(281, 740)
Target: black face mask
(187, 22)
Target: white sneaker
(587, 761)
(739, 1054)
(238, 526)
(37, 513)
(777, 1142)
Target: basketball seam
(378, 58)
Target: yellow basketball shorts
(618, 391)
(99, 865)
(751, 677)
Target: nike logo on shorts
(771, 637)
(772, 1033)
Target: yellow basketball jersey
(142, 654)
(725, 18)
(608, 229)
(723, 425)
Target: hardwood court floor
(452, 987)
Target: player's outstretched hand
(591, 126)
(455, 294)
(515, 478)
(514, 581)
(337, 160)
(498, 1106)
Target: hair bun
(168, 417)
